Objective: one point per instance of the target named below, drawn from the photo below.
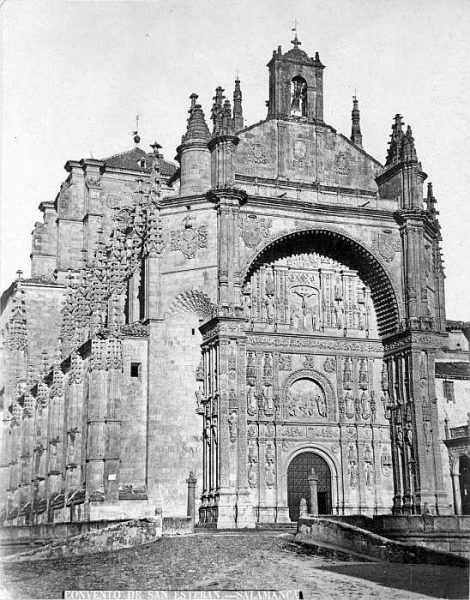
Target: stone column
(457, 494)
(245, 515)
(96, 427)
(313, 492)
(191, 481)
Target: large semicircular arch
(342, 246)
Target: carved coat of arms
(386, 244)
(189, 239)
(253, 229)
(342, 164)
(386, 465)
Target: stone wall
(376, 547)
(446, 533)
(114, 537)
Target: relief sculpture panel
(307, 396)
(305, 400)
(309, 293)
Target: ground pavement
(256, 561)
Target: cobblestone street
(263, 561)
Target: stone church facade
(271, 305)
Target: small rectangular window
(449, 391)
(135, 369)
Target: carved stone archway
(325, 468)
(341, 245)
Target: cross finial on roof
(136, 132)
(295, 41)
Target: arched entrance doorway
(464, 470)
(298, 487)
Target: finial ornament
(295, 41)
(136, 132)
(193, 99)
(155, 147)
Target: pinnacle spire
(197, 129)
(431, 201)
(237, 106)
(356, 135)
(402, 144)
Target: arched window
(298, 97)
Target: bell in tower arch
(298, 97)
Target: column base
(267, 514)
(226, 507)
(283, 515)
(245, 513)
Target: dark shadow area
(432, 580)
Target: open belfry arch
(273, 305)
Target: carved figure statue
(268, 366)
(338, 289)
(277, 405)
(303, 508)
(365, 405)
(369, 474)
(347, 374)
(270, 459)
(246, 299)
(339, 311)
(233, 426)
(251, 401)
(409, 434)
(427, 435)
(252, 464)
(349, 405)
(362, 317)
(268, 406)
(295, 317)
(399, 435)
(199, 393)
(269, 304)
(321, 405)
(352, 472)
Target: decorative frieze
(321, 345)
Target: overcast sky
(75, 73)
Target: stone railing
(365, 544)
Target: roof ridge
(125, 152)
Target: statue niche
(305, 399)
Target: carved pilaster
(228, 204)
(225, 414)
(416, 456)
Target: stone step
(277, 526)
(330, 551)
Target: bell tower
(295, 85)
